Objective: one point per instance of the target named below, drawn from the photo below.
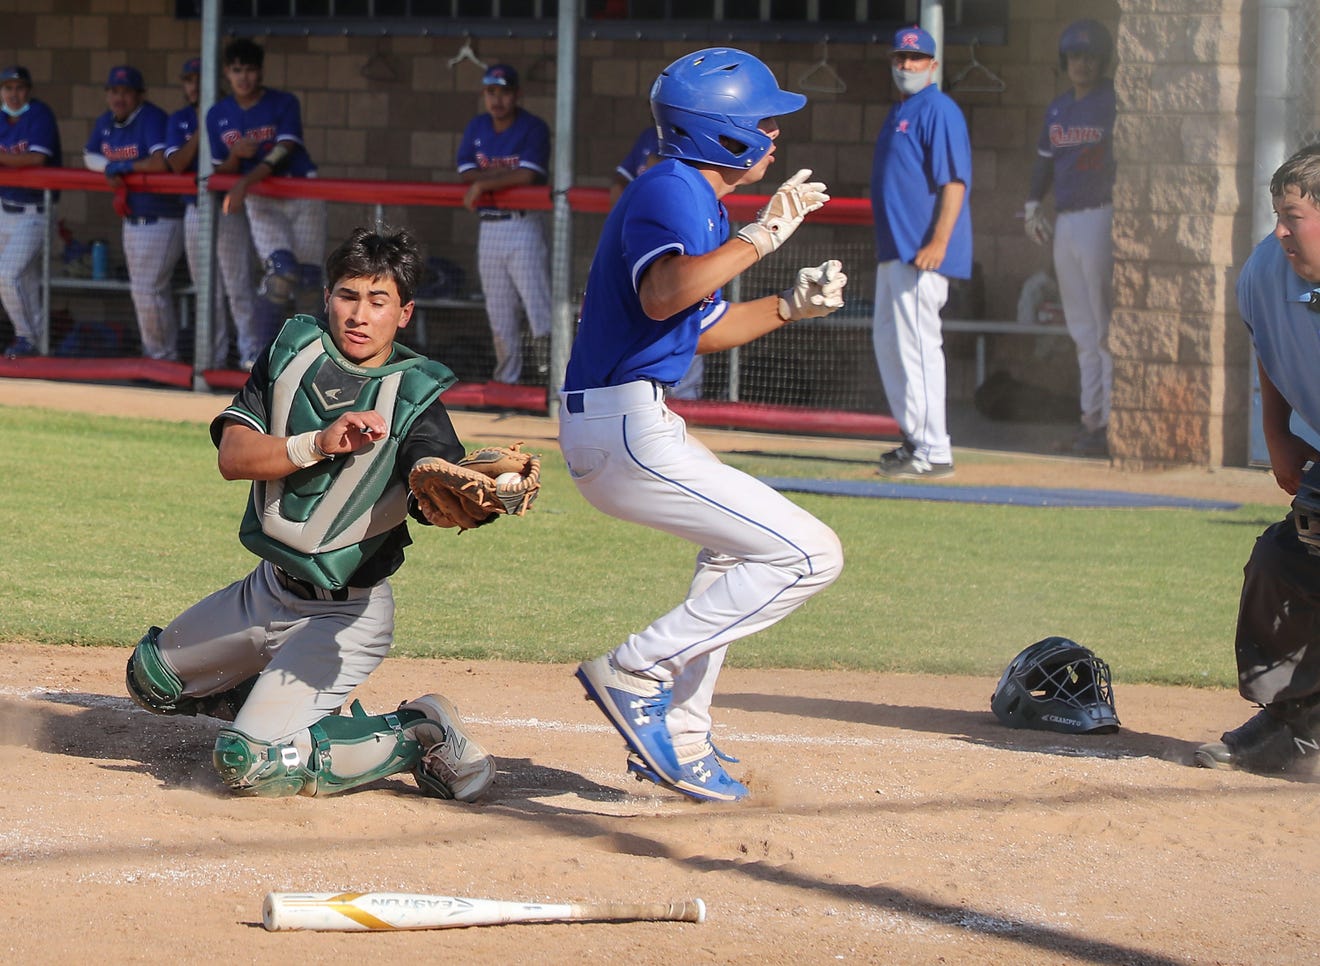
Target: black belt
(500, 215)
(144, 220)
(16, 209)
(305, 588)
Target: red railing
(742, 207)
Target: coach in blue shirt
(920, 180)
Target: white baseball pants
(21, 234)
(151, 252)
(1084, 266)
(909, 352)
(761, 554)
(233, 247)
(514, 264)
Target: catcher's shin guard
(345, 752)
(150, 681)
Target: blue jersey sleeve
(535, 149)
(647, 144)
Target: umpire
(1278, 656)
(327, 428)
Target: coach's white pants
(21, 234)
(761, 554)
(1084, 265)
(151, 252)
(514, 265)
(909, 352)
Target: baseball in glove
(476, 489)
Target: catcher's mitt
(476, 489)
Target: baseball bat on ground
(356, 911)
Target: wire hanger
(991, 83)
(821, 77)
(466, 53)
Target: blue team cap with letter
(193, 65)
(500, 75)
(16, 73)
(914, 40)
(125, 76)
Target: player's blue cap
(16, 73)
(500, 75)
(125, 76)
(193, 65)
(914, 40)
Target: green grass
(112, 524)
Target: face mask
(15, 113)
(910, 81)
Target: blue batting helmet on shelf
(718, 93)
(1086, 37)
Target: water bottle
(100, 260)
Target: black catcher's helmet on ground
(1306, 508)
(1056, 685)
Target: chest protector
(321, 522)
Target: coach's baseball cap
(914, 40)
(193, 65)
(125, 76)
(16, 73)
(500, 75)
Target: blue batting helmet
(1086, 37)
(718, 93)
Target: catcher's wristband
(303, 451)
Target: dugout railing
(813, 376)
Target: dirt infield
(892, 819)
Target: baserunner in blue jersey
(654, 298)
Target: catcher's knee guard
(345, 751)
(150, 681)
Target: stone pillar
(1182, 216)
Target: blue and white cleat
(701, 776)
(636, 706)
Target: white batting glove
(796, 198)
(1039, 228)
(816, 293)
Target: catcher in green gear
(328, 429)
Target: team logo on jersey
(903, 126)
(710, 224)
(1071, 137)
(507, 162)
(264, 133)
(126, 152)
(18, 147)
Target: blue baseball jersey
(140, 136)
(524, 144)
(922, 146)
(1273, 301)
(670, 208)
(1078, 136)
(181, 128)
(34, 130)
(275, 117)
(646, 145)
